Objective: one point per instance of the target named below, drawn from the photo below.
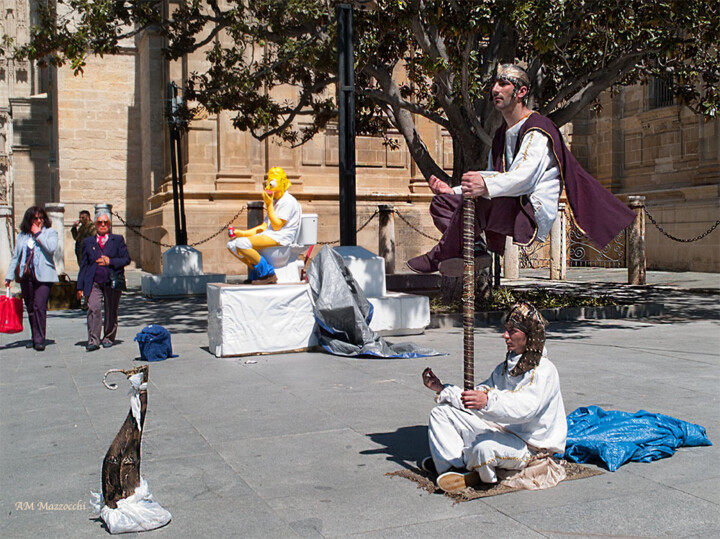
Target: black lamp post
(175, 124)
(346, 125)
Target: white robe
(523, 414)
(533, 171)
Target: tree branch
(404, 122)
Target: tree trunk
(451, 288)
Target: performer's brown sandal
(454, 481)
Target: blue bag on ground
(154, 342)
(615, 437)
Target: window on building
(661, 93)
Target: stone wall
(225, 168)
(99, 143)
(668, 154)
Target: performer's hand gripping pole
(469, 292)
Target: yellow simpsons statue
(281, 224)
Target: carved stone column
(386, 236)
(56, 213)
(636, 261)
(511, 260)
(6, 243)
(558, 246)
(255, 215)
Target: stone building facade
(102, 138)
(645, 144)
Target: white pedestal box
(182, 275)
(367, 269)
(259, 319)
(400, 314)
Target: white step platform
(250, 319)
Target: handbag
(28, 264)
(11, 310)
(117, 281)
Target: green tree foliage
(431, 59)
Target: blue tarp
(616, 437)
(343, 313)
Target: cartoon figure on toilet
(283, 217)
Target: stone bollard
(255, 215)
(56, 213)
(636, 262)
(511, 260)
(558, 246)
(6, 240)
(386, 236)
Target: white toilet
(285, 258)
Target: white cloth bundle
(136, 513)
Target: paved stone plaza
(298, 444)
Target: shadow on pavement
(186, 314)
(403, 445)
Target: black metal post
(181, 193)
(176, 166)
(346, 125)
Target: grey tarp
(343, 313)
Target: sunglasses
(102, 223)
(38, 218)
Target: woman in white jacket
(33, 266)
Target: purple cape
(598, 213)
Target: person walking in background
(102, 277)
(32, 265)
(81, 229)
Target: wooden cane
(121, 465)
(469, 293)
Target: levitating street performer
(518, 196)
(126, 504)
(506, 420)
(279, 228)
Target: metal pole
(346, 125)
(173, 159)
(181, 194)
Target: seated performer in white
(281, 224)
(513, 415)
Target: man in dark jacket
(81, 229)
(104, 258)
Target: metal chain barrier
(416, 229)
(377, 212)
(696, 238)
(136, 230)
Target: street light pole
(174, 124)
(346, 125)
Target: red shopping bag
(11, 310)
